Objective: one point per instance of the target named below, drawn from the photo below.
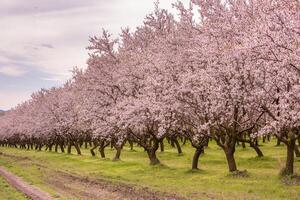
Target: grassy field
(212, 181)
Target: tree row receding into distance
(222, 70)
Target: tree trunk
(77, 149)
(56, 147)
(197, 154)
(50, 147)
(131, 144)
(62, 148)
(152, 156)
(118, 153)
(119, 149)
(172, 143)
(289, 167)
(269, 138)
(243, 145)
(102, 147)
(257, 149)
(230, 161)
(92, 150)
(69, 149)
(278, 142)
(162, 147)
(101, 151)
(177, 146)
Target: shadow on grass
(196, 171)
(239, 174)
(263, 158)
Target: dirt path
(90, 189)
(74, 186)
(29, 190)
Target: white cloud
(66, 27)
(12, 71)
(50, 36)
(9, 99)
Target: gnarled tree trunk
(196, 156)
(230, 160)
(118, 148)
(256, 148)
(69, 149)
(162, 146)
(289, 166)
(177, 146)
(152, 156)
(77, 148)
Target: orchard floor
(86, 177)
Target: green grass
(7, 192)
(174, 175)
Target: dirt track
(77, 187)
(83, 188)
(30, 191)
(103, 189)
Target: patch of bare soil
(29, 190)
(85, 188)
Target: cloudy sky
(42, 40)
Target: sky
(42, 40)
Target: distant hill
(2, 112)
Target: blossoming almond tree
(231, 75)
(274, 43)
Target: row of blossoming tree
(226, 70)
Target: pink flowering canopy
(223, 69)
